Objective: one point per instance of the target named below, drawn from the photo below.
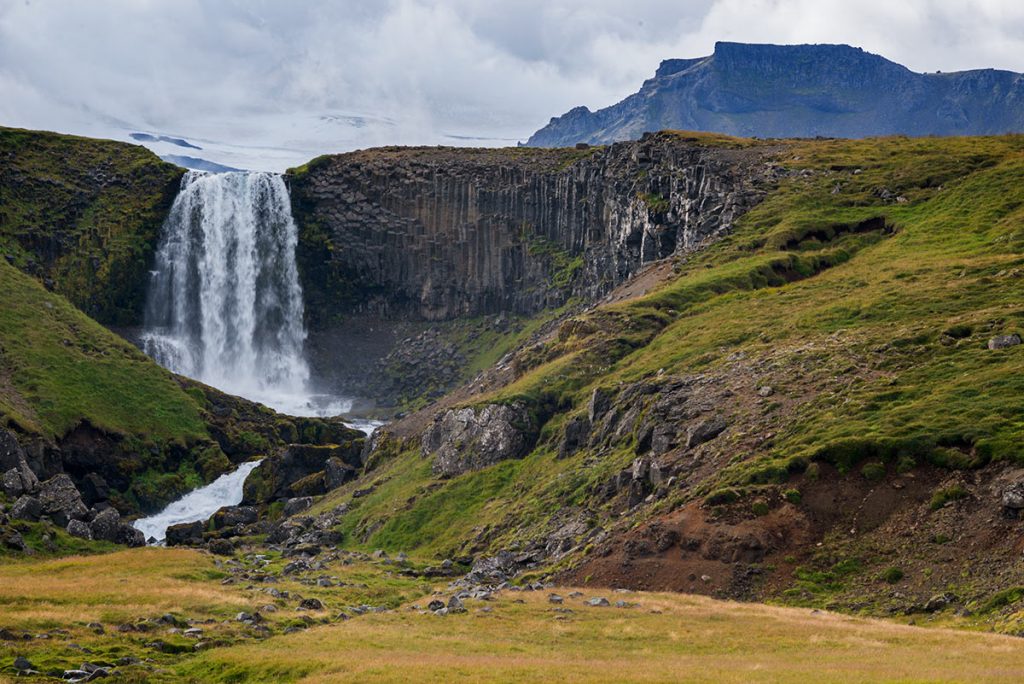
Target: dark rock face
(233, 516)
(461, 440)
(185, 534)
(435, 233)
(827, 90)
(301, 470)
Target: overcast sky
(269, 83)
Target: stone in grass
(80, 529)
(221, 547)
(435, 605)
(22, 664)
(554, 598)
(455, 605)
(311, 604)
(598, 601)
(27, 508)
(1004, 341)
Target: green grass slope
(84, 215)
(864, 290)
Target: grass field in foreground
(519, 636)
(662, 638)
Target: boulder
(1004, 341)
(232, 516)
(12, 539)
(663, 439)
(297, 505)
(27, 508)
(185, 534)
(221, 547)
(129, 536)
(11, 454)
(1013, 496)
(77, 528)
(18, 481)
(106, 525)
(466, 439)
(705, 431)
(600, 402)
(61, 500)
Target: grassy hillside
(862, 294)
(66, 382)
(84, 215)
(61, 368)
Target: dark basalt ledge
(439, 233)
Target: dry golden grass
(664, 638)
(110, 588)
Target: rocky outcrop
(461, 440)
(303, 470)
(826, 90)
(437, 233)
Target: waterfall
(224, 304)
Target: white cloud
(256, 75)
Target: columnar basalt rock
(435, 233)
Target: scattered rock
(185, 534)
(1004, 341)
(598, 601)
(77, 528)
(221, 547)
(705, 431)
(27, 508)
(297, 505)
(311, 604)
(61, 500)
(106, 525)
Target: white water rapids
(199, 504)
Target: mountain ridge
(799, 91)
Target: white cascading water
(198, 504)
(225, 307)
(225, 304)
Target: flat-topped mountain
(800, 91)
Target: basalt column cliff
(395, 236)
(436, 233)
